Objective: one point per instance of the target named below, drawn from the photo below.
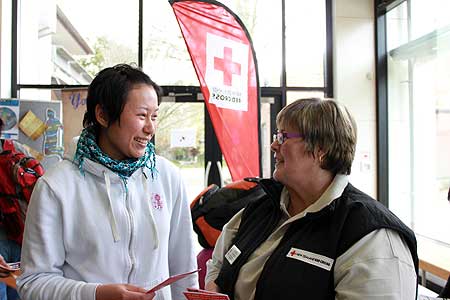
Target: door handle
(208, 168)
(219, 168)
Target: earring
(321, 159)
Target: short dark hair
(110, 89)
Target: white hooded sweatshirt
(86, 230)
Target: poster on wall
(41, 126)
(32, 126)
(74, 107)
(9, 113)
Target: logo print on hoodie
(157, 201)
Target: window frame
(278, 93)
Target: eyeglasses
(281, 137)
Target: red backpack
(18, 174)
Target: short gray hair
(325, 125)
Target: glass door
(419, 118)
(181, 139)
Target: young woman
(111, 220)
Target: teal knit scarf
(87, 148)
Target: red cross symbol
(293, 252)
(227, 66)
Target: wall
(354, 82)
(5, 49)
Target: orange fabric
(241, 184)
(211, 234)
(201, 195)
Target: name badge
(232, 254)
(311, 258)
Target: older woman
(314, 235)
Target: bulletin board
(74, 107)
(44, 111)
(9, 113)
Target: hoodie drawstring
(112, 217)
(150, 210)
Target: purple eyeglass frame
(281, 136)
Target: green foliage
(106, 53)
(247, 12)
(94, 63)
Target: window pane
(266, 136)
(294, 95)
(5, 49)
(68, 42)
(165, 49)
(305, 42)
(180, 137)
(166, 59)
(419, 123)
(427, 16)
(397, 22)
(263, 22)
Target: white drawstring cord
(150, 210)
(112, 217)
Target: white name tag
(311, 258)
(232, 254)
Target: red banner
(224, 60)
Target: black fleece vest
(328, 233)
